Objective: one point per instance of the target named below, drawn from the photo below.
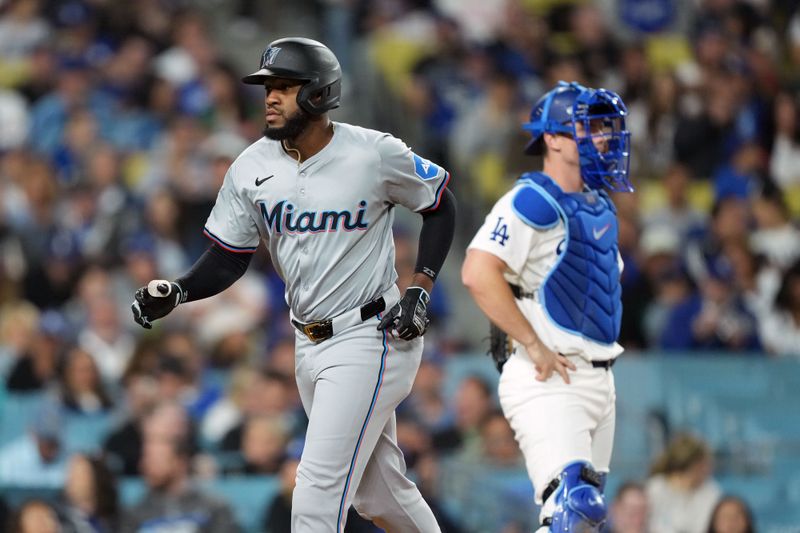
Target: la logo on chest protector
(282, 218)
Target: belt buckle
(314, 331)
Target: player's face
(600, 130)
(284, 118)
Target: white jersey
(337, 205)
(530, 255)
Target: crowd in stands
(118, 121)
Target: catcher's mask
(601, 113)
(309, 61)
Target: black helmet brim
(258, 77)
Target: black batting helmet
(297, 58)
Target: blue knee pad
(579, 503)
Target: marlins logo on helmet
(269, 56)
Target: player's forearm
(435, 238)
(482, 274)
(216, 270)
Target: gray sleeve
(409, 179)
(231, 224)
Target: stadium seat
(86, 432)
(15, 496)
(249, 496)
(16, 414)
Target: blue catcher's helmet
(601, 113)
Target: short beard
(295, 125)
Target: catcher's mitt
(499, 346)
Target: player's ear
(552, 143)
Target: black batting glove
(409, 316)
(156, 301)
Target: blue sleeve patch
(424, 169)
(534, 208)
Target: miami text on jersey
(283, 219)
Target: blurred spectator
(123, 445)
(73, 92)
(679, 215)
(226, 412)
(278, 517)
(428, 477)
(784, 164)
(267, 395)
(473, 405)
(426, 403)
(681, 491)
(652, 122)
(629, 510)
(774, 236)
(728, 225)
(35, 516)
(90, 497)
(80, 387)
(717, 316)
(732, 515)
(744, 175)
(171, 500)
(662, 286)
(13, 119)
(500, 450)
(22, 29)
(19, 322)
(36, 459)
(103, 334)
(780, 326)
(36, 367)
(702, 138)
(412, 439)
(166, 420)
(264, 440)
(480, 138)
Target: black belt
(519, 294)
(323, 330)
(607, 364)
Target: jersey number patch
(500, 232)
(424, 169)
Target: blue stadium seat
(462, 366)
(15, 496)
(86, 432)
(248, 495)
(16, 413)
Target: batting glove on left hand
(156, 301)
(409, 316)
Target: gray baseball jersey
(327, 221)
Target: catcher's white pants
(350, 386)
(555, 423)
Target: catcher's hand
(156, 301)
(499, 346)
(409, 317)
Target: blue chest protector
(581, 294)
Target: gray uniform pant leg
(350, 386)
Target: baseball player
(321, 196)
(545, 268)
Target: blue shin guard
(578, 498)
